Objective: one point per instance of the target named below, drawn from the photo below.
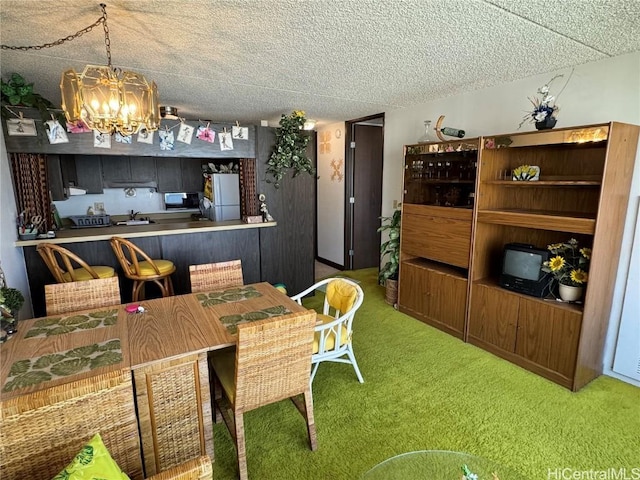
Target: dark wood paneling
(82, 143)
(287, 250)
(183, 250)
(192, 179)
(199, 248)
(116, 169)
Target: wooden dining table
(165, 346)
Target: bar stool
(60, 262)
(147, 270)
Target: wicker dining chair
(333, 334)
(141, 271)
(41, 432)
(271, 363)
(215, 276)
(60, 262)
(74, 296)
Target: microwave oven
(181, 201)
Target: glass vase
(428, 133)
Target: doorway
(363, 205)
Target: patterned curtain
(30, 181)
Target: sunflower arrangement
(569, 264)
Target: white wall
(11, 257)
(330, 218)
(115, 202)
(598, 92)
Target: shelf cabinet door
(548, 335)
(493, 316)
(448, 300)
(412, 288)
(169, 174)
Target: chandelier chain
(68, 38)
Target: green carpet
(425, 390)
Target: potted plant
(11, 301)
(545, 110)
(388, 275)
(569, 266)
(289, 151)
(16, 92)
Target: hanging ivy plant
(16, 92)
(290, 149)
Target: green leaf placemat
(236, 294)
(232, 321)
(46, 327)
(28, 372)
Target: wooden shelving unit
(582, 193)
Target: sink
(135, 222)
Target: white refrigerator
(226, 197)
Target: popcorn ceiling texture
(338, 60)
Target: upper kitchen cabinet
(180, 175)
(89, 173)
(118, 170)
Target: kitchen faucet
(132, 215)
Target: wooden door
(364, 186)
(493, 317)
(169, 174)
(548, 335)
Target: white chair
(332, 341)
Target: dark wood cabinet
(89, 173)
(180, 175)
(122, 169)
(143, 169)
(116, 169)
(192, 179)
(60, 171)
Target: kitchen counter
(161, 227)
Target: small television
(522, 270)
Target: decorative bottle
(452, 132)
(427, 136)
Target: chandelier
(109, 99)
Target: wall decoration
(56, 132)
(77, 127)
(226, 142)
(25, 127)
(338, 133)
(239, 133)
(101, 140)
(325, 141)
(336, 167)
(123, 138)
(205, 134)
(145, 136)
(185, 134)
(167, 140)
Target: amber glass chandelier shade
(108, 101)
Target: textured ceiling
(249, 60)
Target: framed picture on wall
(24, 127)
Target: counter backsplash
(115, 202)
